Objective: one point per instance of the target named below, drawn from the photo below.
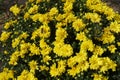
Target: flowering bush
(61, 40)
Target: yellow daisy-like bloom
(73, 71)
(42, 32)
(98, 50)
(43, 67)
(68, 6)
(107, 64)
(26, 75)
(94, 17)
(44, 18)
(87, 45)
(34, 50)
(35, 17)
(15, 10)
(112, 48)
(26, 15)
(33, 9)
(61, 66)
(33, 65)
(24, 35)
(46, 58)
(63, 50)
(95, 62)
(61, 34)
(7, 74)
(53, 11)
(72, 61)
(78, 25)
(70, 17)
(9, 24)
(80, 67)
(115, 27)
(45, 48)
(57, 71)
(14, 58)
(81, 36)
(24, 49)
(4, 36)
(54, 71)
(107, 36)
(15, 42)
(118, 43)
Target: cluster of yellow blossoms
(59, 41)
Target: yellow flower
(24, 35)
(59, 25)
(99, 6)
(107, 36)
(8, 24)
(72, 61)
(68, 6)
(59, 17)
(46, 58)
(118, 43)
(33, 66)
(14, 58)
(95, 62)
(78, 25)
(42, 32)
(87, 45)
(107, 64)
(81, 36)
(94, 17)
(84, 65)
(35, 17)
(112, 48)
(70, 17)
(63, 50)
(26, 75)
(7, 74)
(46, 50)
(4, 36)
(73, 71)
(30, 76)
(57, 71)
(24, 49)
(61, 34)
(54, 71)
(53, 11)
(61, 66)
(33, 9)
(115, 27)
(44, 18)
(15, 42)
(15, 10)
(43, 67)
(98, 50)
(26, 15)
(34, 50)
